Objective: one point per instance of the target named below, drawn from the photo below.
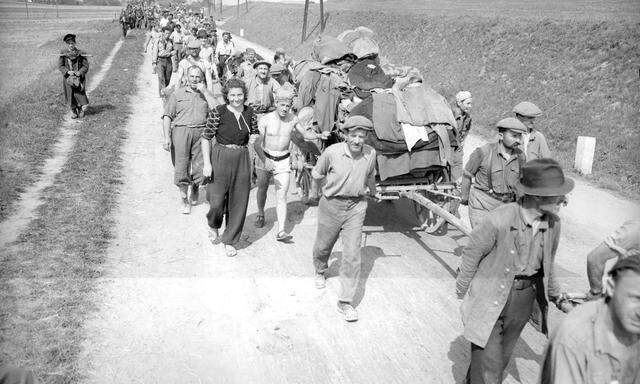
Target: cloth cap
(250, 50)
(543, 177)
(69, 37)
(202, 34)
(513, 124)
(194, 44)
(285, 93)
(279, 50)
(260, 62)
(226, 33)
(354, 122)
(527, 109)
(462, 96)
(627, 263)
(277, 68)
(167, 28)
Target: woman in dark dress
(226, 162)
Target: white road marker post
(241, 32)
(585, 150)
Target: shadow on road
(295, 215)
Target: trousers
(488, 363)
(186, 155)
(164, 69)
(345, 217)
(228, 192)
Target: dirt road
(175, 309)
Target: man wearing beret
(534, 143)
(162, 58)
(348, 169)
(494, 168)
(507, 270)
(74, 67)
(599, 342)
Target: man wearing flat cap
(534, 144)
(507, 271)
(599, 341)
(348, 169)
(192, 58)
(494, 168)
(246, 70)
(74, 67)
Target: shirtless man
(273, 157)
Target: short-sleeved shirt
(227, 129)
(177, 37)
(580, 352)
(535, 146)
(626, 239)
(225, 49)
(345, 175)
(493, 170)
(187, 107)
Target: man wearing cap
(508, 267)
(184, 119)
(623, 242)
(261, 88)
(281, 74)
(180, 79)
(177, 37)
(162, 57)
(462, 114)
(599, 341)
(495, 168)
(534, 143)
(349, 170)
(246, 71)
(74, 67)
(224, 50)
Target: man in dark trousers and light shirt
(348, 169)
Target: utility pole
(26, 6)
(246, 5)
(321, 16)
(220, 7)
(304, 21)
(57, 13)
(238, 9)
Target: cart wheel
(429, 221)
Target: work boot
(74, 113)
(83, 109)
(350, 313)
(186, 206)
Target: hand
(590, 295)
(207, 170)
(201, 87)
(565, 306)
(464, 202)
(70, 73)
(376, 197)
(167, 145)
(325, 135)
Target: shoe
(321, 282)
(283, 236)
(350, 313)
(259, 221)
(186, 206)
(195, 194)
(230, 250)
(74, 115)
(214, 237)
(83, 109)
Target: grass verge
(580, 73)
(48, 276)
(31, 111)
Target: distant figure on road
(349, 170)
(184, 119)
(599, 342)
(234, 126)
(224, 50)
(534, 143)
(462, 114)
(74, 67)
(507, 270)
(495, 168)
(623, 242)
(162, 59)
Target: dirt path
(175, 309)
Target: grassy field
(32, 103)
(582, 71)
(12, 10)
(47, 276)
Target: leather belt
(191, 126)
(504, 197)
(276, 158)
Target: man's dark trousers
(488, 363)
(164, 69)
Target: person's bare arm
(596, 261)
(166, 133)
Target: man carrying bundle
(74, 67)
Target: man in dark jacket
(74, 67)
(507, 270)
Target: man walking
(534, 143)
(348, 169)
(246, 70)
(161, 58)
(508, 267)
(495, 168)
(74, 67)
(184, 119)
(462, 114)
(599, 342)
(224, 50)
(261, 88)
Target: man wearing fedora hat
(494, 168)
(349, 172)
(261, 88)
(534, 144)
(508, 267)
(74, 67)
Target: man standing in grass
(74, 67)
(534, 143)
(349, 170)
(184, 119)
